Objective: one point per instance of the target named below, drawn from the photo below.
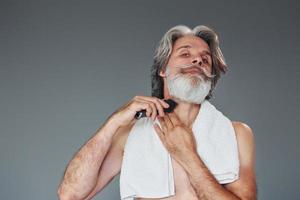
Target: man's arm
(207, 187)
(245, 186)
(82, 172)
(99, 160)
(112, 163)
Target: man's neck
(187, 112)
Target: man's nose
(197, 60)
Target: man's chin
(195, 79)
(190, 90)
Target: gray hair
(164, 50)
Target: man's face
(188, 71)
(190, 50)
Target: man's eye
(185, 54)
(205, 60)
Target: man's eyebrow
(189, 46)
(207, 52)
(184, 46)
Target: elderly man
(187, 66)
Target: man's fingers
(168, 122)
(174, 118)
(159, 104)
(163, 124)
(152, 106)
(166, 105)
(138, 105)
(160, 133)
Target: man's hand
(153, 106)
(181, 144)
(176, 137)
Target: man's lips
(193, 70)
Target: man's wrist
(109, 128)
(192, 163)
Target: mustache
(202, 70)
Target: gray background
(67, 65)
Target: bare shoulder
(242, 129)
(245, 137)
(246, 143)
(245, 186)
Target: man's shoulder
(242, 129)
(244, 136)
(245, 140)
(246, 184)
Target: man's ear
(162, 73)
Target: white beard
(188, 88)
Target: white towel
(147, 168)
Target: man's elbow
(248, 196)
(64, 194)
